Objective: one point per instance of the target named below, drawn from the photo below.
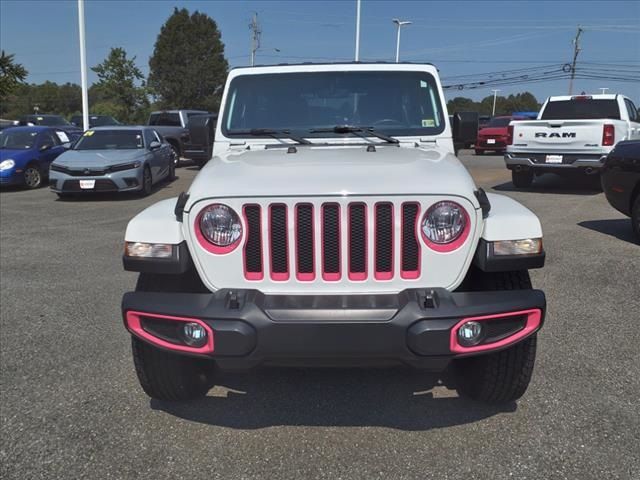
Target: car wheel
(171, 176)
(147, 182)
(164, 375)
(522, 179)
(32, 177)
(503, 376)
(635, 217)
(479, 152)
(175, 154)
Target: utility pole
(576, 51)
(357, 56)
(83, 67)
(254, 26)
(400, 24)
(604, 89)
(495, 94)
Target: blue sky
(461, 38)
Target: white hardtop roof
(335, 67)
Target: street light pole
(357, 56)
(399, 23)
(495, 93)
(83, 67)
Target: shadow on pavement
(403, 399)
(555, 184)
(619, 228)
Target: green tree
(461, 104)
(121, 84)
(188, 66)
(12, 74)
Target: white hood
(327, 171)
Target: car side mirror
(46, 146)
(154, 145)
(465, 129)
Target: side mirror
(46, 146)
(465, 129)
(202, 131)
(154, 145)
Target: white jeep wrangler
(334, 226)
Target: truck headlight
(7, 164)
(527, 246)
(220, 226)
(444, 223)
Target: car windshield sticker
(63, 137)
(88, 133)
(423, 84)
(428, 122)
(33, 134)
(40, 119)
(139, 139)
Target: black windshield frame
(265, 95)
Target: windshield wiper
(268, 132)
(362, 132)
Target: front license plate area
(553, 159)
(491, 141)
(87, 184)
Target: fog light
(148, 250)
(194, 334)
(470, 334)
(527, 246)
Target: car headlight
(220, 226)
(124, 166)
(444, 223)
(7, 164)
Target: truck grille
(291, 248)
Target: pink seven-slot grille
(292, 247)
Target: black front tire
(635, 217)
(147, 182)
(172, 172)
(175, 155)
(522, 179)
(165, 375)
(32, 177)
(503, 376)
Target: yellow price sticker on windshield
(428, 122)
(88, 133)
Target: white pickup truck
(570, 133)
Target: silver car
(113, 159)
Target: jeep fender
(509, 220)
(156, 224)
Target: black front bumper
(412, 327)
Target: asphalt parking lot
(71, 406)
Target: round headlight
(220, 225)
(444, 222)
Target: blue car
(27, 152)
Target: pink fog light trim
(383, 275)
(279, 276)
(410, 274)
(534, 318)
(206, 244)
(134, 325)
(457, 243)
(333, 276)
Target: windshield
(499, 122)
(396, 103)
(49, 120)
(110, 140)
(15, 140)
(581, 109)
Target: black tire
(172, 172)
(504, 376)
(522, 179)
(479, 152)
(635, 217)
(147, 182)
(32, 176)
(175, 153)
(164, 375)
